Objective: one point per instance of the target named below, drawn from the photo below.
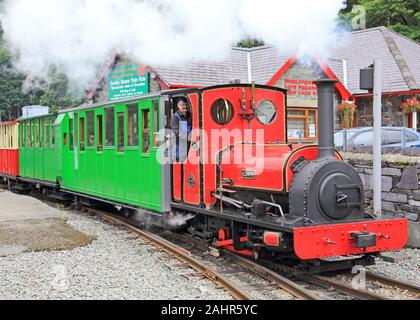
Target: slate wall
(400, 187)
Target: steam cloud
(79, 35)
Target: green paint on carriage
(38, 157)
(109, 152)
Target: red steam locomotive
(290, 202)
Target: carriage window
(146, 131)
(28, 134)
(37, 133)
(90, 129)
(47, 133)
(110, 130)
(41, 130)
(100, 135)
(222, 111)
(22, 134)
(32, 134)
(71, 134)
(156, 124)
(82, 134)
(133, 126)
(266, 112)
(120, 129)
(168, 113)
(76, 131)
(52, 133)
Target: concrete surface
(27, 225)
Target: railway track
(176, 246)
(275, 279)
(302, 287)
(178, 253)
(394, 283)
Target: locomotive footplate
(272, 223)
(350, 238)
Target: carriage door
(186, 175)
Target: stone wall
(391, 112)
(400, 187)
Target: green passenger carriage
(38, 156)
(108, 151)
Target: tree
(250, 43)
(402, 16)
(12, 97)
(53, 93)
(56, 91)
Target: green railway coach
(38, 149)
(111, 151)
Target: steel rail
(276, 279)
(181, 254)
(393, 282)
(343, 288)
(287, 285)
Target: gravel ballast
(116, 265)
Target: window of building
(302, 123)
(71, 134)
(156, 124)
(133, 126)
(110, 128)
(100, 133)
(90, 129)
(120, 129)
(82, 134)
(146, 131)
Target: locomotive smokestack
(326, 118)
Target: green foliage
(250, 43)
(56, 94)
(402, 16)
(53, 93)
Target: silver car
(391, 137)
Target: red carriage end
(9, 149)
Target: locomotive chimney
(326, 118)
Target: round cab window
(266, 112)
(222, 111)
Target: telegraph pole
(371, 80)
(377, 142)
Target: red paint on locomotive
(336, 240)
(275, 132)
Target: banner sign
(128, 81)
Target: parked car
(391, 138)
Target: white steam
(79, 35)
